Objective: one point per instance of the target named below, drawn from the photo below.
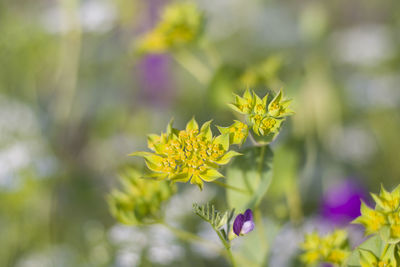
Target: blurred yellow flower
(181, 24)
(140, 200)
(332, 248)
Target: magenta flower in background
(243, 223)
(341, 203)
(155, 79)
(154, 74)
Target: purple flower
(341, 203)
(243, 223)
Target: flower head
(181, 24)
(264, 117)
(140, 200)
(332, 248)
(187, 155)
(238, 132)
(385, 217)
(243, 223)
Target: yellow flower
(279, 107)
(238, 132)
(140, 200)
(264, 118)
(387, 202)
(371, 219)
(332, 248)
(187, 155)
(245, 104)
(180, 25)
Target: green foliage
(251, 172)
(220, 222)
(211, 215)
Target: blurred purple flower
(155, 79)
(243, 223)
(341, 203)
(154, 74)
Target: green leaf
(251, 171)
(211, 215)
(374, 244)
(254, 249)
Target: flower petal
(192, 125)
(210, 175)
(248, 215)
(227, 157)
(247, 227)
(238, 223)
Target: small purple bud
(243, 223)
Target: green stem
(189, 237)
(227, 247)
(193, 65)
(231, 187)
(251, 137)
(230, 256)
(260, 164)
(385, 250)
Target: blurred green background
(75, 100)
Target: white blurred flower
(363, 45)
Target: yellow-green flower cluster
(369, 259)
(187, 155)
(385, 217)
(238, 132)
(140, 200)
(264, 118)
(181, 24)
(332, 248)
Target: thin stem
(193, 65)
(385, 250)
(231, 187)
(230, 256)
(189, 237)
(260, 164)
(227, 247)
(255, 143)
